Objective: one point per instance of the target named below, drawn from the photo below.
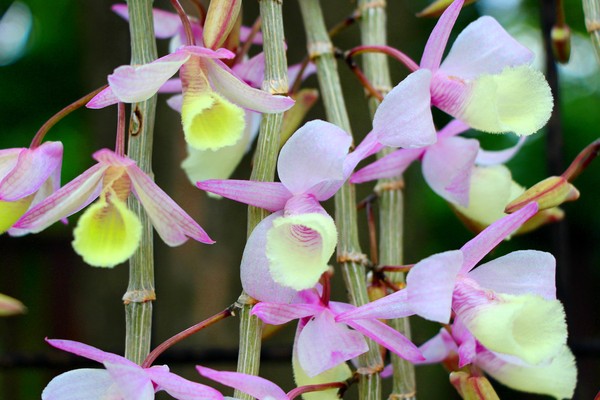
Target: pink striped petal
(484, 47)
(71, 198)
(403, 119)
(487, 157)
(447, 167)
(520, 272)
(388, 337)
(255, 386)
(323, 344)
(277, 314)
(173, 224)
(255, 275)
(391, 165)
(434, 49)
(312, 158)
(180, 388)
(271, 196)
(131, 380)
(80, 384)
(89, 352)
(131, 84)
(33, 168)
(475, 249)
(229, 85)
(103, 99)
(430, 284)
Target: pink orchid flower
(289, 250)
(121, 379)
(108, 233)
(556, 377)
(213, 96)
(504, 303)
(447, 164)
(324, 343)
(485, 81)
(26, 177)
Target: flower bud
(10, 306)
(548, 193)
(472, 387)
(220, 19)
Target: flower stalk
(140, 291)
(391, 198)
(265, 161)
(591, 11)
(350, 256)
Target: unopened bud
(220, 19)
(473, 387)
(436, 8)
(293, 117)
(543, 217)
(10, 306)
(376, 292)
(561, 43)
(548, 193)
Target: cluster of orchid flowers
(501, 317)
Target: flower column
(349, 253)
(140, 291)
(391, 217)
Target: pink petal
(131, 84)
(430, 284)
(89, 352)
(323, 344)
(404, 118)
(453, 128)
(252, 71)
(166, 24)
(486, 157)
(173, 224)
(255, 386)
(520, 272)
(447, 167)
(313, 158)
(103, 99)
(434, 49)
(180, 388)
(245, 33)
(176, 102)
(255, 275)
(369, 146)
(438, 348)
(391, 165)
(131, 380)
(277, 314)
(395, 305)
(226, 83)
(80, 384)
(33, 168)
(484, 47)
(171, 86)
(208, 53)
(9, 159)
(71, 198)
(388, 337)
(475, 249)
(271, 196)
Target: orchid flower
(555, 377)
(486, 81)
(289, 250)
(122, 379)
(447, 164)
(27, 175)
(508, 304)
(324, 343)
(214, 98)
(108, 233)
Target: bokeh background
(67, 48)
